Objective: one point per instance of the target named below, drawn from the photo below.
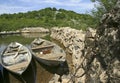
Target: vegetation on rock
(102, 7)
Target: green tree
(102, 7)
(60, 16)
(48, 17)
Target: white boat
(47, 52)
(16, 58)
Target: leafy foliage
(48, 17)
(102, 7)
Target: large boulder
(105, 66)
(95, 54)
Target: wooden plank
(13, 53)
(42, 47)
(50, 56)
(17, 66)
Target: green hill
(48, 17)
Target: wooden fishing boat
(16, 58)
(47, 52)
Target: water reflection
(35, 73)
(29, 76)
(45, 73)
(24, 38)
(1, 74)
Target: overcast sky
(15, 6)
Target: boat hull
(49, 62)
(16, 61)
(47, 52)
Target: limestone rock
(95, 54)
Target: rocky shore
(34, 30)
(26, 30)
(95, 54)
(74, 43)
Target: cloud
(29, 5)
(71, 3)
(13, 9)
(56, 2)
(75, 1)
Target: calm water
(36, 72)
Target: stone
(95, 52)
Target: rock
(34, 29)
(107, 43)
(66, 79)
(73, 41)
(94, 53)
(103, 77)
(55, 79)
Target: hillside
(48, 17)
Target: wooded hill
(48, 17)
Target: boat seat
(13, 53)
(17, 66)
(51, 57)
